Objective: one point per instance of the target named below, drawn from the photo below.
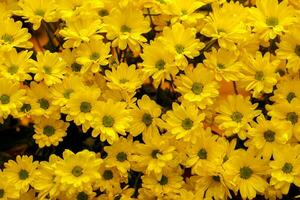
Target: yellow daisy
(287, 91)
(7, 191)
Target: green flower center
(26, 107)
(85, 107)
(76, 67)
(269, 136)
(237, 116)
(23, 174)
(82, 196)
(108, 121)
(187, 124)
(202, 154)
(49, 130)
(67, 93)
(77, 171)
(95, 56)
(272, 21)
(197, 88)
(121, 156)
(13, 69)
(179, 48)
(221, 66)
(123, 80)
(5, 99)
(259, 75)
(1, 193)
(47, 70)
(287, 168)
(103, 12)
(216, 178)
(7, 38)
(297, 50)
(290, 96)
(44, 103)
(147, 119)
(107, 175)
(160, 64)
(154, 153)
(125, 28)
(39, 12)
(245, 172)
(164, 180)
(292, 117)
(221, 30)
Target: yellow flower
(198, 86)
(246, 171)
(109, 119)
(125, 26)
(158, 62)
(287, 91)
(11, 97)
(37, 10)
(260, 73)
(269, 23)
(181, 42)
(15, 66)
(289, 49)
(77, 171)
(49, 131)
(124, 78)
(7, 191)
(224, 63)
(110, 179)
(93, 55)
(49, 67)
(20, 173)
(268, 135)
(145, 118)
(13, 35)
(183, 119)
(234, 114)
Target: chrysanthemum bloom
(15, 65)
(245, 172)
(110, 119)
(269, 23)
(37, 10)
(77, 171)
(145, 118)
(287, 91)
(20, 173)
(158, 62)
(49, 67)
(181, 42)
(110, 179)
(260, 73)
(224, 63)
(234, 114)
(7, 191)
(125, 26)
(11, 97)
(289, 48)
(13, 35)
(93, 55)
(49, 131)
(198, 86)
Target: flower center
(290, 96)
(108, 121)
(103, 12)
(23, 174)
(160, 64)
(107, 175)
(292, 117)
(287, 168)
(187, 124)
(147, 119)
(26, 107)
(297, 50)
(125, 28)
(1, 193)
(245, 172)
(5, 99)
(7, 38)
(95, 56)
(221, 66)
(179, 48)
(123, 80)
(154, 153)
(44, 104)
(76, 67)
(202, 154)
(197, 88)
(67, 93)
(269, 136)
(77, 171)
(82, 196)
(49, 130)
(216, 178)
(47, 70)
(259, 75)
(164, 180)
(272, 21)
(121, 156)
(85, 107)
(13, 69)
(237, 116)
(39, 12)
